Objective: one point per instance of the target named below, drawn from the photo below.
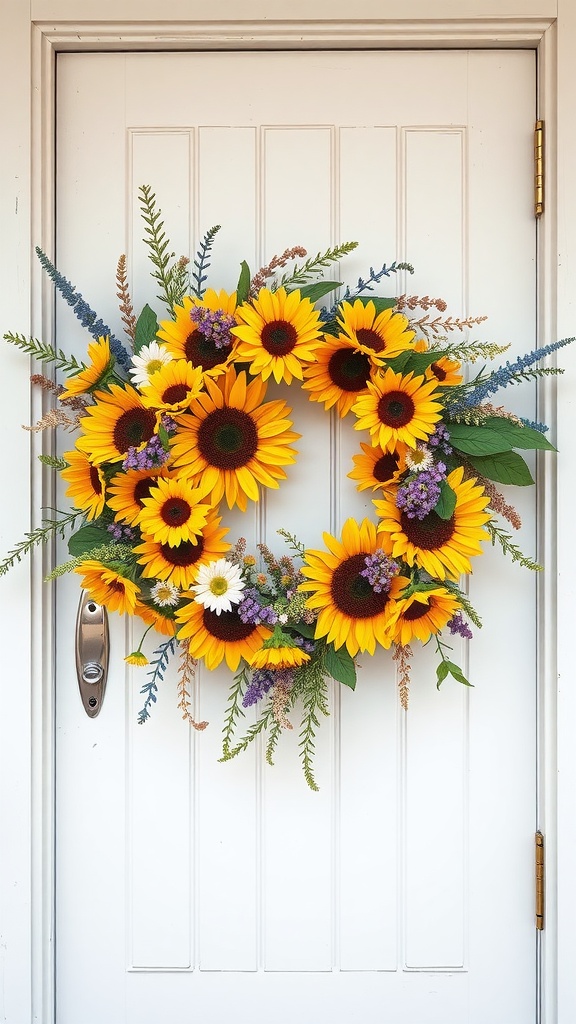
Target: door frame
(33, 34)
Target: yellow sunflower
(338, 374)
(215, 637)
(423, 615)
(279, 657)
(398, 409)
(444, 370)
(443, 547)
(117, 421)
(92, 376)
(87, 484)
(380, 335)
(162, 623)
(351, 610)
(173, 386)
(376, 468)
(280, 331)
(178, 564)
(127, 490)
(232, 442)
(172, 513)
(185, 341)
(108, 587)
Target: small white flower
(165, 594)
(219, 586)
(283, 619)
(149, 359)
(419, 458)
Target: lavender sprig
(504, 375)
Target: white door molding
(29, 42)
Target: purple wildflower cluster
(214, 324)
(440, 440)
(252, 612)
(120, 532)
(170, 425)
(419, 496)
(380, 571)
(261, 682)
(152, 456)
(457, 625)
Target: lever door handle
(92, 652)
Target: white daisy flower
(149, 359)
(165, 594)
(219, 586)
(419, 458)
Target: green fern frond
(314, 266)
(509, 548)
(45, 353)
(41, 535)
(234, 710)
(53, 462)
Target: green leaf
(318, 290)
(86, 538)
(340, 666)
(304, 629)
(243, 286)
(441, 673)
(477, 440)
(457, 673)
(504, 468)
(446, 502)
(518, 435)
(146, 328)
(164, 437)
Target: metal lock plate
(92, 652)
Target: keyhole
(93, 701)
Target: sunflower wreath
(180, 424)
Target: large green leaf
(504, 468)
(446, 668)
(318, 290)
(146, 328)
(477, 440)
(518, 435)
(446, 503)
(243, 286)
(340, 666)
(86, 538)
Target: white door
(401, 893)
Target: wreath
(184, 423)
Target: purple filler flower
(457, 625)
(214, 324)
(380, 571)
(150, 457)
(419, 496)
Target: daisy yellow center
(395, 409)
(153, 365)
(352, 593)
(227, 626)
(279, 337)
(202, 351)
(417, 610)
(438, 372)
(417, 456)
(133, 427)
(163, 593)
(175, 511)
(95, 480)
(185, 553)
(349, 370)
(366, 336)
(429, 533)
(174, 394)
(228, 438)
(218, 586)
(385, 467)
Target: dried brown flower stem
(424, 301)
(402, 657)
(185, 679)
(276, 263)
(123, 293)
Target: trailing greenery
(234, 709)
(119, 554)
(509, 548)
(313, 267)
(41, 535)
(315, 701)
(158, 666)
(45, 353)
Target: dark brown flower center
(279, 337)
(132, 428)
(228, 438)
(429, 533)
(95, 480)
(175, 393)
(438, 372)
(395, 409)
(227, 626)
(349, 370)
(117, 586)
(417, 610)
(352, 593)
(175, 511)
(142, 490)
(184, 553)
(385, 467)
(366, 336)
(202, 351)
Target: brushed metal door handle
(92, 653)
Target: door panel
(401, 892)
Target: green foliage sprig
(171, 279)
(45, 353)
(314, 265)
(119, 554)
(158, 666)
(201, 264)
(509, 548)
(42, 534)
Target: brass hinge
(539, 169)
(539, 859)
